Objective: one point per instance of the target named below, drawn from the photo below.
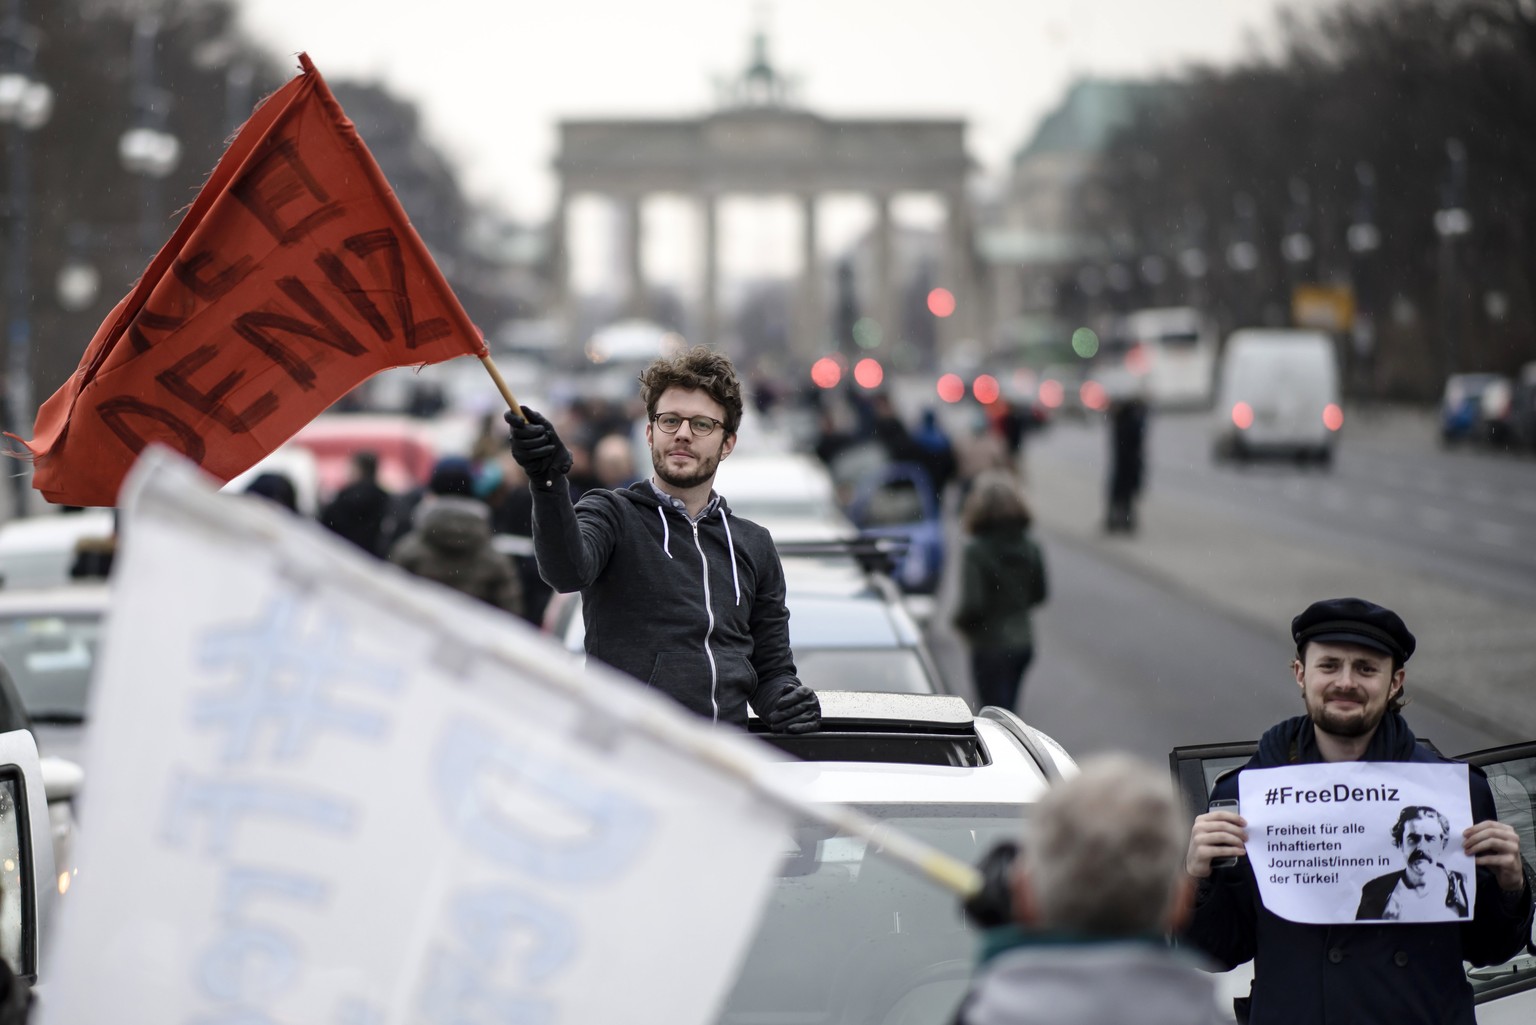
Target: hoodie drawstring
(666, 532)
(731, 547)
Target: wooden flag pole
(501, 386)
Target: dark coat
(452, 545)
(695, 610)
(1128, 436)
(1398, 974)
(357, 513)
(1002, 577)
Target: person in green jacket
(1002, 578)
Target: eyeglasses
(700, 426)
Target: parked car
(39, 551)
(1473, 407)
(27, 866)
(49, 640)
(898, 502)
(847, 934)
(789, 494)
(1277, 394)
(1503, 993)
(61, 780)
(1522, 408)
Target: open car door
(1196, 768)
(26, 853)
(1507, 992)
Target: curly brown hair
(698, 369)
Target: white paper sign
(319, 790)
(1360, 841)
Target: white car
(849, 935)
(39, 551)
(49, 639)
(849, 629)
(790, 494)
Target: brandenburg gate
(759, 143)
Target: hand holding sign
(1217, 835)
(1496, 845)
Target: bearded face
(685, 460)
(1346, 687)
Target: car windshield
(51, 657)
(887, 670)
(850, 935)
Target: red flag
(294, 277)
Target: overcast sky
(493, 76)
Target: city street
(1180, 634)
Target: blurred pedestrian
(511, 505)
(1127, 461)
(1098, 882)
(1010, 422)
(935, 452)
(358, 511)
(675, 591)
(275, 488)
(451, 542)
(1002, 579)
(889, 430)
(613, 461)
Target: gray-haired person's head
(1103, 852)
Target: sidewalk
(1477, 656)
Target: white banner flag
(321, 791)
(1341, 842)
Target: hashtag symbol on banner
(292, 673)
(1269, 798)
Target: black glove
(798, 711)
(537, 448)
(992, 906)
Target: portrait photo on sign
(1361, 841)
(1423, 889)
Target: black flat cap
(1354, 621)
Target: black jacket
(695, 610)
(1356, 974)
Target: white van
(1277, 393)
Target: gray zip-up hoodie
(694, 609)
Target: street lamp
(1296, 244)
(1452, 221)
(78, 282)
(25, 106)
(147, 149)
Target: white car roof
(54, 530)
(65, 599)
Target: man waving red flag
(294, 277)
